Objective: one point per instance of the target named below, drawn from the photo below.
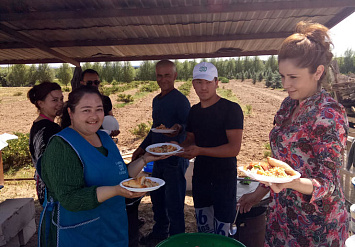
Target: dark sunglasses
(89, 83)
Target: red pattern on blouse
(312, 143)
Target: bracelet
(145, 162)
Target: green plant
(17, 154)
(106, 91)
(248, 109)
(141, 130)
(17, 94)
(66, 89)
(267, 146)
(228, 94)
(151, 87)
(126, 98)
(185, 88)
(268, 152)
(223, 79)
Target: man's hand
(190, 152)
(115, 133)
(247, 201)
(138, 153)
(177, 128)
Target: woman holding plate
(82, 169)
(309, 134)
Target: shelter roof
(47, 31)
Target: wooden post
(1, 172)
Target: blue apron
(105, 225)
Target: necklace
(44, 116)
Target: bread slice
(279, 163)
(135, 183)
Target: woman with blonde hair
(309, 134)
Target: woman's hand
(302, 185)
(129, 194)
(150, 157)
(276, 187)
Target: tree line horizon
(242, 68)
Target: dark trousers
(168, 201)
(133, 226)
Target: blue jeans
(168, 201)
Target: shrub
(106, 91)
(185, 88)
(260, 77)
(268, 81)
(66, 89)
(254, 77)
(276, 80)
(223, 79)
(268, 152)
(141, 130)
(17, 154)
(151, 87)
(17, 94)
(248, 109)
(126, 98)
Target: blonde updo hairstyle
(309, 47)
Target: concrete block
(188, 175)
(15, 215)
(14, 242)
(26, 233)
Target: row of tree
(235, 68)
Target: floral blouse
(311, 143)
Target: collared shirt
(311, 142)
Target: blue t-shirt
(170, 109)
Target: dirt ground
(17, 114)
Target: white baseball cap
(206, 71)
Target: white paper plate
(157, 180)
(263, 178)
(162, 131)
(161, 144)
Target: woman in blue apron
(82, 169)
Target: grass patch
(267, 153)
(24, 172)
(227, 94)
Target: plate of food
(273, 171)
(163, 149)
(142, 184)
(162, 129)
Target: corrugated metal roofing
(39, 31)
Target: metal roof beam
(339, 17)
(144, 57)
(151, 41)
(36, 44)
(185, 10)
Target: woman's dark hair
(309, 47)
(73, 100)
(40, 92)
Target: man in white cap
(214, 135)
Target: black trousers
(133, 226)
